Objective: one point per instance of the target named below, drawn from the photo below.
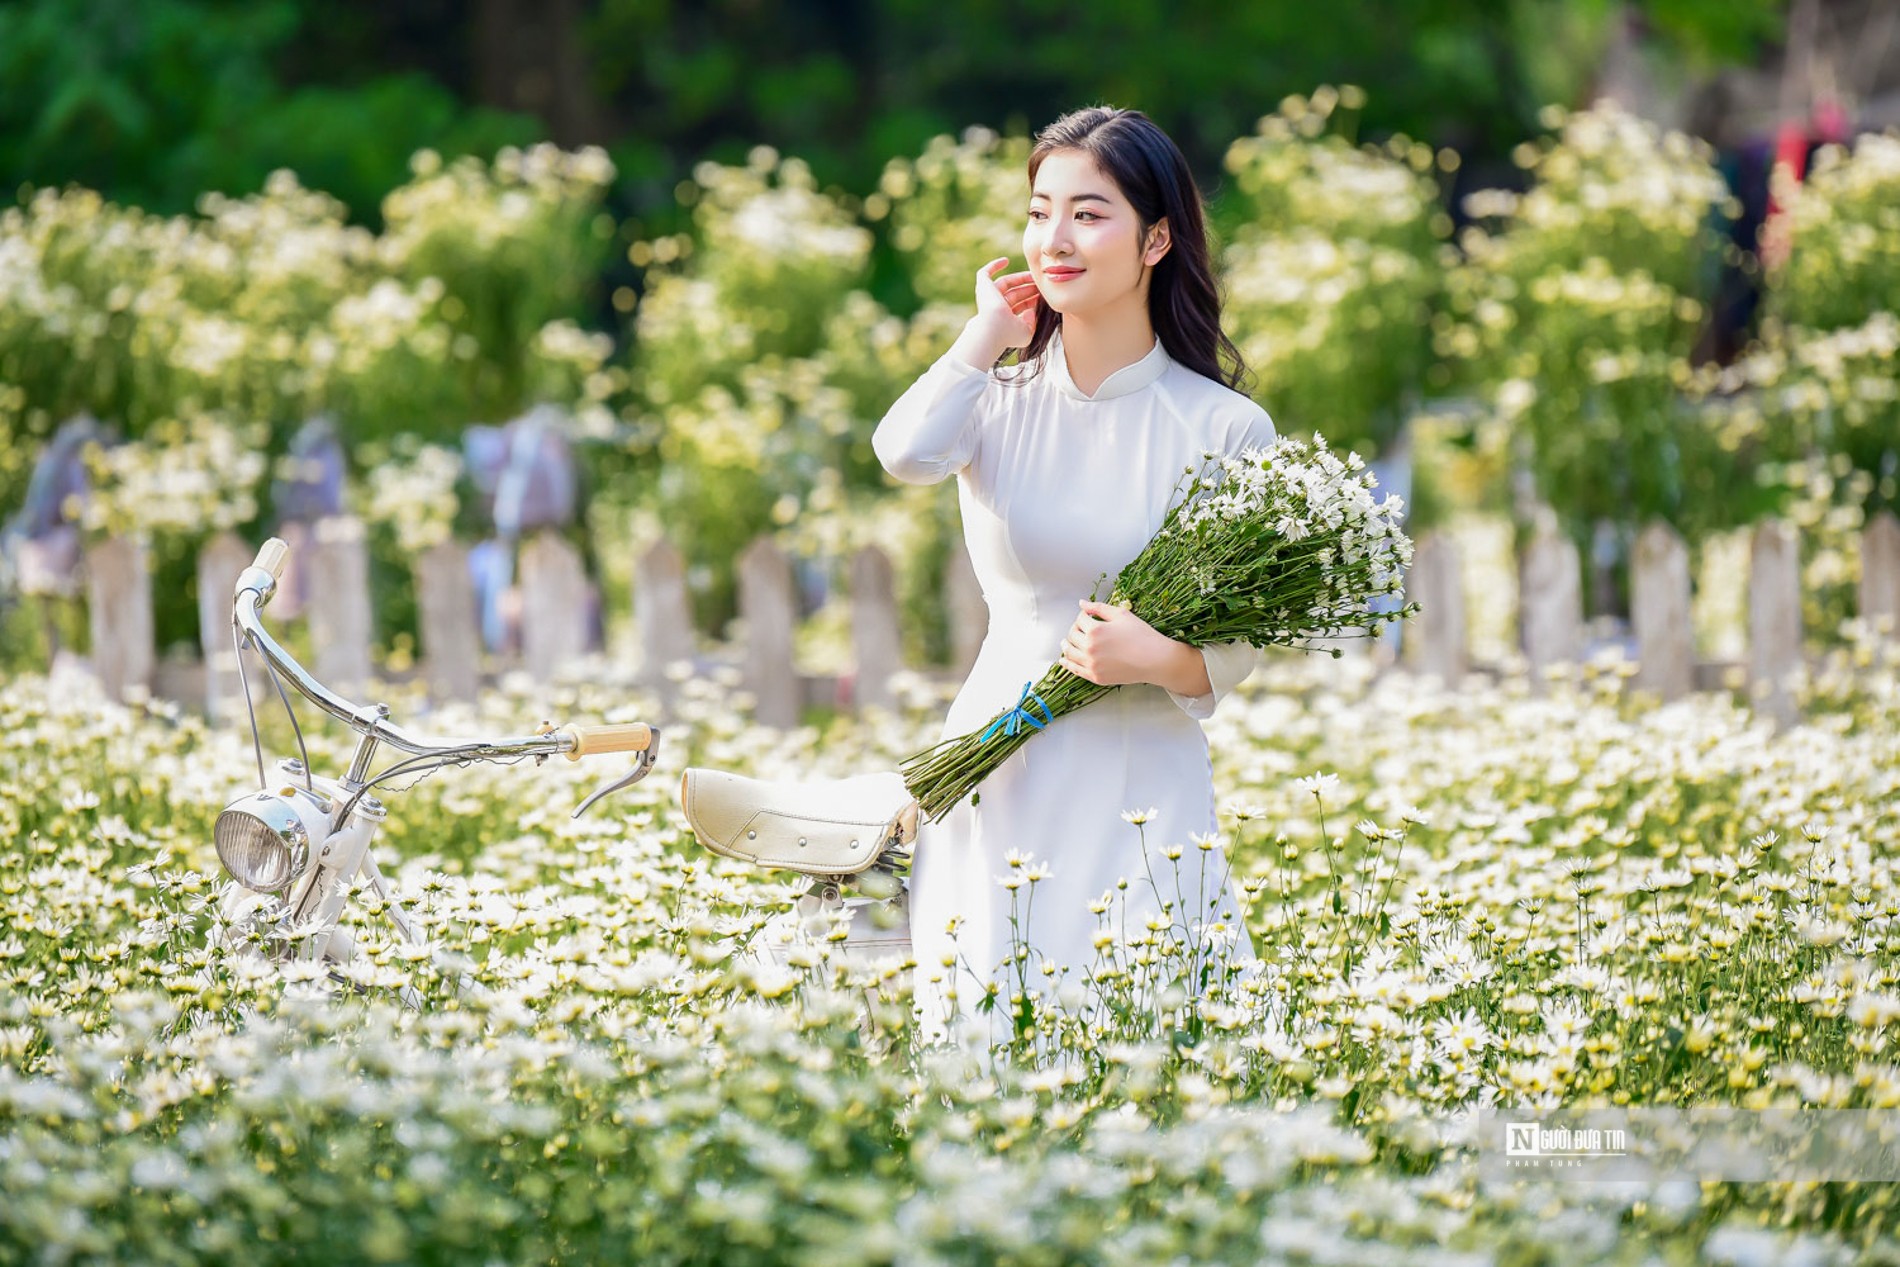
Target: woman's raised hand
(1007, 304)
(1005, 315)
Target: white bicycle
(303, 839)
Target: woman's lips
(1062, 274)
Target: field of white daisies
(1502, 897)
(1523, 896)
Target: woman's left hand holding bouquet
(1277, 546)
(1111, 646)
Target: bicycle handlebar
(271, 556)
(258, 582)
(634, 736)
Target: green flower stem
(942, 775)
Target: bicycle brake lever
(640, 769)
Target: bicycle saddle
(817, 827)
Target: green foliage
(1716, 31)
(1840, 245)
(952, 208)
(515, 246)
(1576, 311)
(769, 260)
(206, 339)
(1466, 74)
(1332, 271)
(785, 317)
(155, 102)
(753, 350)
(1832, 355)
(794, 75)
(270, 307)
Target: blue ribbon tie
(1012, 722)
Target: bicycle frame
(321, 834)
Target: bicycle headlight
(264, 839)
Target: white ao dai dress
(1056, 488)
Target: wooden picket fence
(555, 601)
(1550, 609)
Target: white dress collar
(1128, 379)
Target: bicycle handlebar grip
(271, 556)
(633, 736)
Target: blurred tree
(1707, 32)
(154, 102)
(712, 78)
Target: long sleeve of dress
(1228, 664)
(929, 433)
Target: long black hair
(1145, 164)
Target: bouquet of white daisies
(1280, 546)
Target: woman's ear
(1158, 243)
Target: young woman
(1066, 464)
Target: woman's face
(1083, 239)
